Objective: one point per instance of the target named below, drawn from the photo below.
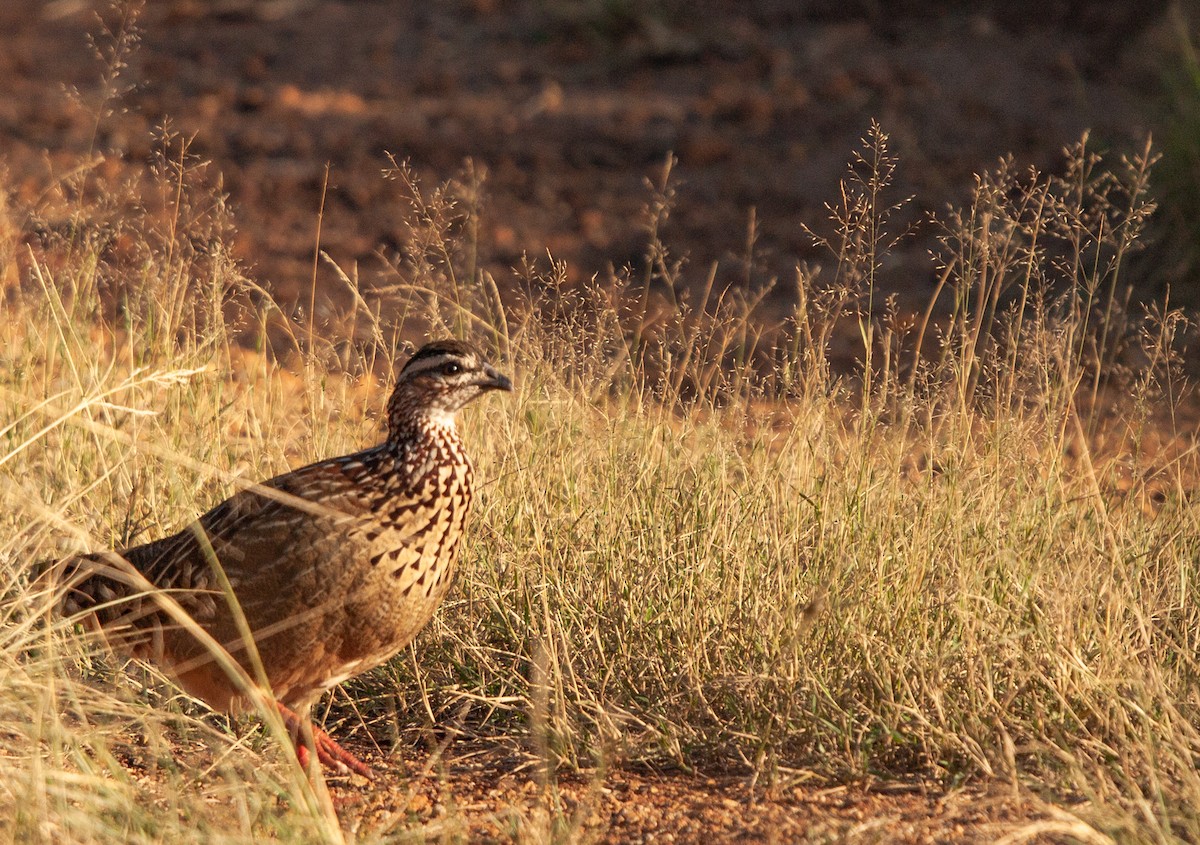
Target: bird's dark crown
(437, 381)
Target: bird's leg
(329, 753)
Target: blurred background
(556, 117)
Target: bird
(311, 577)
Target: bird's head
(437, 381)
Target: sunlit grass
(695, 543)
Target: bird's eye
(451, 368)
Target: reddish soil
(485, 793)
(568, 108)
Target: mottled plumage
(335, 566)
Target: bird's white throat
(441, 417)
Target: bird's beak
(493, 379)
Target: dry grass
(697, 544)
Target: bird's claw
(329, 754)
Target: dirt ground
(568, 108)
(487, 792)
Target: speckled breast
(413, 546)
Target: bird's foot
(329, 753)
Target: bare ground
(489, 790)
(568, 109)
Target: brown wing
(264, 539)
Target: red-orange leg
(329, 753)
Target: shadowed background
(565, 109)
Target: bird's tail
(98, 589)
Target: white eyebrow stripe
(432, 362)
